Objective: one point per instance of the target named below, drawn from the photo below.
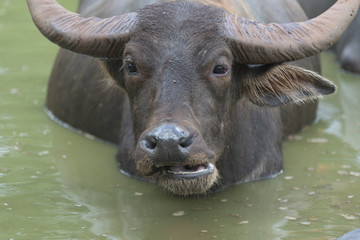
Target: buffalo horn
(258, 43)
(98, 37)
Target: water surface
(57, 184)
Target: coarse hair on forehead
(180, 19)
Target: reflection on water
(341, 111)
(2, 71)
(4, 150)
(56, 184)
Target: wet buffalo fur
(166, 74)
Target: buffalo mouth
(188, 180)
(188, 171)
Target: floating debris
(138, 194)
(179, 214)
(106, 235)
(305, 223)
(343, 172)
(223, 200)
(43, 153)
(243, 222)
(14, 91)
(348, 216)
(17, 148)
(288, 177)
(89, 136)
(318, 140)
(290, 218)
(295, 137)
(283, 208)
(23, 134)
(356, 174)
(204, 231)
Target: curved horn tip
(97, 37)
(259, 43)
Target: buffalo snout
(178, 158)
(165, 140)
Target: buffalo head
(185, 66)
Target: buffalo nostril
(185, 142)
(150, 143)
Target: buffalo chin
(185, 182)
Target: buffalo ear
(274, 85)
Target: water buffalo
(190, 90)
(347, 49)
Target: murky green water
(56, 184)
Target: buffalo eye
(220, 69)
(130, 67)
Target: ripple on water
(5, 117)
